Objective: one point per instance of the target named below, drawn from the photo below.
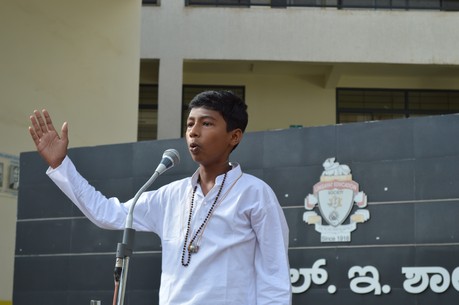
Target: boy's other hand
(50, 146)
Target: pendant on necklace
(193, 248)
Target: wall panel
(407, 168)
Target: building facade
(292, 57)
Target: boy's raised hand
(49, 145)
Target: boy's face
(208, 141)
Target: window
(148, 113)
(359, 105)
(148, 2)
(218, 2)
(340, 4)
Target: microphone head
(170, 158)
(173, 155)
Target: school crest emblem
(336, 196)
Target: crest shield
(335, 205)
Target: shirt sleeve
(106, 213)
(271, 253)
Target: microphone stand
(124, 249)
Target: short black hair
(232, 108)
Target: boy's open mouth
(194, 147)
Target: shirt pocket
(173, 224)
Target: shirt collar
(234, 173)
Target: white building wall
(300, 34)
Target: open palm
(50, 146)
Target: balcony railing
(444, 5)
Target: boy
(224, 236)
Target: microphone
(170, 158)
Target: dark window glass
(148, 113)
(341, 4)
(359, 105)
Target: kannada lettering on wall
(366, 279)
(335, 196)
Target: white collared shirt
(243, 250)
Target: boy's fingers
(49, 123)
(35, 138)
(65, 131)
(37, 129)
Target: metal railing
(444, 5)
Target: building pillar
(170, 97)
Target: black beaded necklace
(192, 247)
